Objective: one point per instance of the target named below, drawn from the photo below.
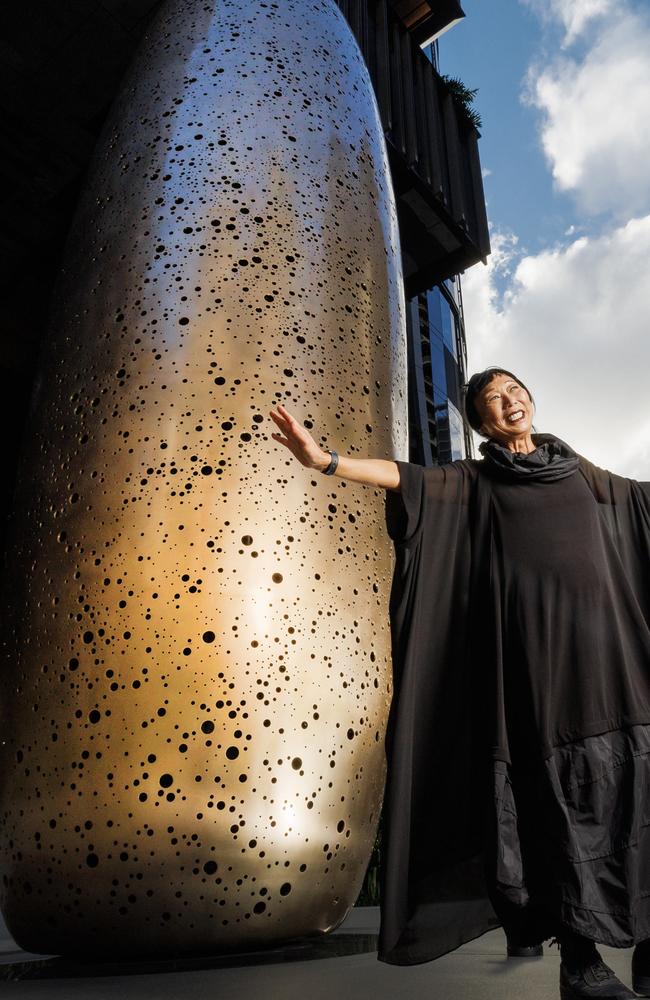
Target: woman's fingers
(291, 420)
(297, 438)
(284, 420)
(278, 417)
(279, 422)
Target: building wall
(437, 361)
(437, 365)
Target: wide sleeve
(422, 489)
(404, 506)
(612, 490)
(625, 507)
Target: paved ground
(343, 967)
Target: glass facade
(437, 372)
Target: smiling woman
(518, 741)
(499, 405)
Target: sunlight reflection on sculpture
(220, 614)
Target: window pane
(435, 309)
(456, 432)
(448, 325)
(438, 373)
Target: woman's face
(505, 409)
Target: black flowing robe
(518, 739)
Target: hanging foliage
(465, 97)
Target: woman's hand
(369, 471)
(298, 440)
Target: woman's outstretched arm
(295, 437)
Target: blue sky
(492, 49)
(564, 88)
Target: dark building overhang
(434, 246)
(427, 19)
(432, 145)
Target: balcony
(432, 147)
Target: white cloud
(594, 128)
(572, 320)
(575, 15)
(573, 325)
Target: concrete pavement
(343, 966)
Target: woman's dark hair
(476, 384)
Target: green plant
(465, 97)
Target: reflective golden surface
(198, 675)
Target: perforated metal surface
(198, 656)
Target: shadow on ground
(16, 966)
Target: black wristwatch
(331, 468)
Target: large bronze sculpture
(197, 676)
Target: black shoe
(641, 969)
(596, 980)
(523, 951)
